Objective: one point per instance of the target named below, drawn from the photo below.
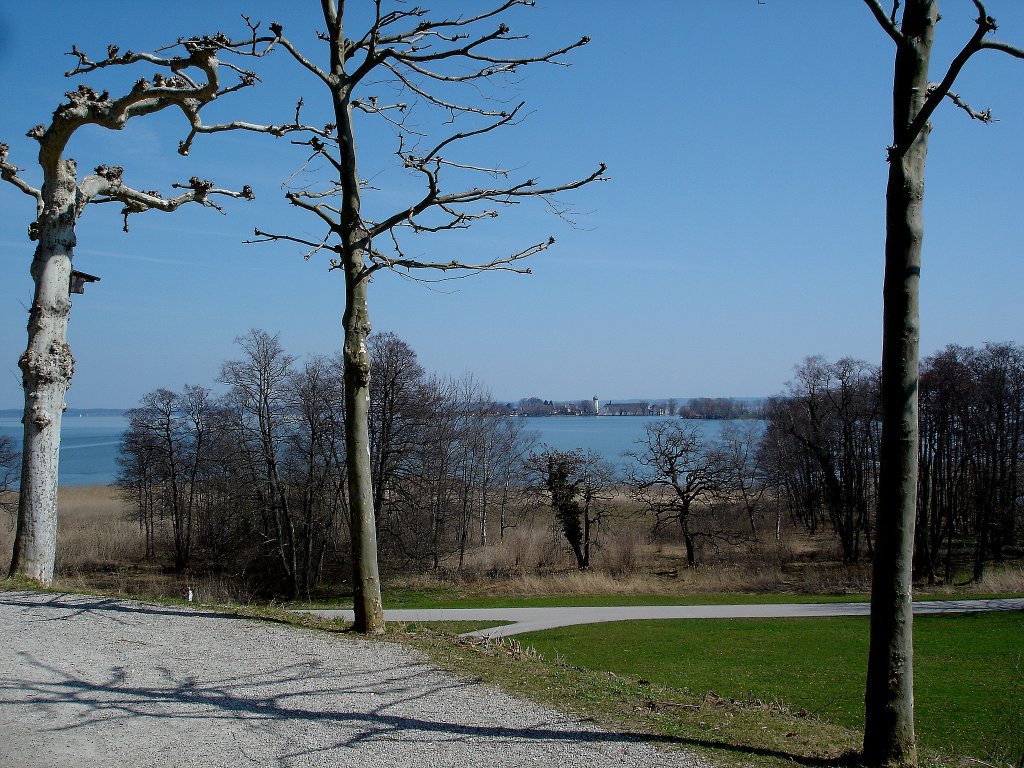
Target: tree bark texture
(46, 368)
(889, 697)
(369, 611)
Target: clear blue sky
(741, 231)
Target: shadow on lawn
(847, 760)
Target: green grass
(449, 597)
(443, 597)
(969, 669)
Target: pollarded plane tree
(442, 66)
(188, 77)
(889, 716)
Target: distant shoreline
(14, 413)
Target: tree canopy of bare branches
(442, 66)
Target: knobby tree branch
(107, 186)
(937, 92)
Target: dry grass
(1002, 580)
(101, 548)
(95, 532)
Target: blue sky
(742, 228)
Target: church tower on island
(597, 406)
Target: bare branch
(106, 186)
(985, 117)
(940, 91)
(500, 264)
(458, 22)
(505, 120)
(9, 173)
(372, 108)
(322, 210)
(995, 45)
(268, 237)
(287, 45)
(450, 106)
(467, 51)
(888, 23)
(505, 195)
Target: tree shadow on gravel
(406, 703)
(60, 607)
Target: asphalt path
(536, 619)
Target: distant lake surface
(89, 444)
(609, 436)
(88, 447)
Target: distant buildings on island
(693, 408)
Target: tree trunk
(889, 696)
(367, 605)
(369, 612)
(46, 367)
(691, 554)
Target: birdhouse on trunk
(79, 280)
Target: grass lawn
(450, 597)
(969, 669)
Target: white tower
(597, 406)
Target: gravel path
(90, 681)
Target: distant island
(692, 408)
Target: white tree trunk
(46, 367)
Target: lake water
(610, 436)
(89, 444)
(88, 447)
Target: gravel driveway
(90, 681)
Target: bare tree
(889, 711)
(678, 476)
(314, 468)
(9, 460)
(164, 463)
(578, 485)
(397, 397)
(187, 81)
(747, 476)
(822, 441)
(443, 64)
(259, 393)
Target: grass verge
(767, 691)
(451, 597)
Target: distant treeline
(254, 482)
(821, 453)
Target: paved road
(535, 619)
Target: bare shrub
(837, 579)
(623, 553)
(1001, 581)
(525, 549)
(576, 582)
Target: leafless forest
(248, 489)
